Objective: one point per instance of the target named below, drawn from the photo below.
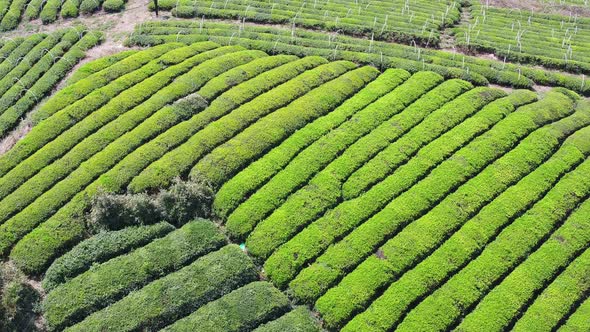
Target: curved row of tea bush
(500, 307)
(388, 309)
(240, 310)
(179, 161)
(109, 281)
(13, 12)
(554, 303)
(427, 146)
(322, 192)
(508, 249)
(325, 149)
(34, 67)
(100, 248)
(231, 194)
(553, 41)
(424, 234)
(133, 127)
(175, 295)
(302, 42)
(282, 265)
(228, 159)
(403, 21)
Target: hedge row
(229, 158)
(121, 174)
(339, 153)
(49, 11)
(240, 310)
(414, 202)
(433, 149)
(72, 117)
(9, 45)
(83, 87)
(297, 320)
(181, 159)
(94, 143)
(321, 152)
(449, 177)
(47, 157)
(269, 196)
(18, 53)
(97, 65)
(241, 186)
(578, 321)
(425, 234)
(450, 302)
(42, 77)
(175, 295)
(387, 310)
(100, 248)
(556, 301)
(47, 81)
(10, 80)
(391, 158)
(374, 19)
(110, 281)
(54, 239)
(303, 42)
(240, 74)
(106, 147)
(506, 301)
(543, 39)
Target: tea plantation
(326, 165)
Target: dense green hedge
(334, 157)
(100, 248)
(555, 302)
(414, 202)
(578, 321)
(241, 186)
(175, 295)
(94, 66)
(297, 320)
(181, 159)
(426, 233)
(43, 76)
(220, 84)
(508, 249)
(19, 52)
(499, 308)
(229, 158)
(26, 154)
(240, 310)
(436, 138)
(76, 182)
(388, 160)
(304, 42)
(9, 80)
(390, 307)
(121, 174)
(108, 282)
(94, 82)
(131, 130)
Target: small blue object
(243, 246)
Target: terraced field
(349, 186)
(31, 67)
(309, 175)
(405, 21)
(554, 41)
(13, 12)
(300, 42)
